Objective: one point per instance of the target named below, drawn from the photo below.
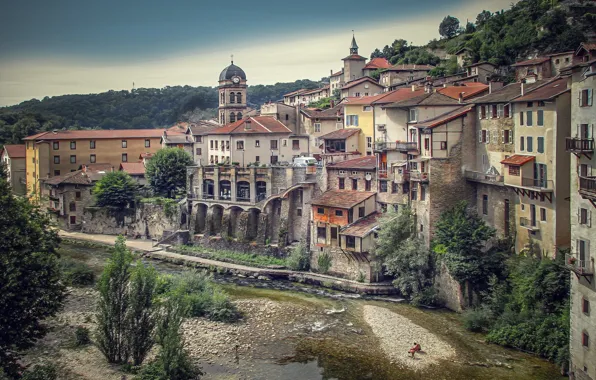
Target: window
(56, 159)
(557, 61)
(414, 192)
(422, 193)
(124, 157)
(540, 148)
(350, 242)
(239, 145)
(295, 144)
(529, 119)
(427, 143)
(342, 183)
(383, 186)
(274, 159)
(78, 195)
(56, 145)
(361, 212)
(73, 219)
(530, 104)
(124, 144)
(522, 143)
(352, 120)
(413, 114)
(584, 216)
(585, 306)
(367, 185)
(540, 118)
(233, 119)
(199, 151)
(211, 144)
(483, 136)
(320, 210)
(147, 143)
(483, 112)
(92, 158)
(507, 110)
(541, 103)
(287, 117)
(238, 97)
(500, 111)
(73, 159)
(514, 171)
(357, 94)
(198, 139)
(321, 235)
(284, 143)
(507, 136)
(273, 144)
(542, 214)
(495, 111)
(298, 212)
(257, 144)
(585, 339)
(317, 127)
(369, 142)
(56, 172)
(232, 97)
(354, 184)
(521, 118)
(72, 206)
(585, 97)
(529, 144)
(485, 204)
(339, 213)
(421, 227)
(258, 158)
(73, 145)
(394, 188)
(443, 145)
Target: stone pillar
(226, 227)
(253, 184)
(200, 179)
(233, 182)
(209, 230)
(192, 208)
(216, 183)
(262, 228)
(201, 218)
(242, 226)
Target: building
(353, 63)
(13, 157)
(51, 154)
(196, 132)
(400, 75)
(177, 140)
(317, 123)
(560, 61)
(346, 140)
(232, 94)
(463, 56)
(532, 70)
(481, 71)
(542, 121)
(374, 65)
(364, 86)
(336, 82)
(586, 52)
(580, 145)
(288, 115)
(466, 90)
(136, 170)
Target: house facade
(398, 75)
(13, 157)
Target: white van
(300, 162)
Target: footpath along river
(294, 332)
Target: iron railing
(537, 182)
(480, 176)
(398, 145)
(578, 266)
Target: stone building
(580, 145)
(317, 123)
(586, 52)
(288, 115)
(232, 94)
(13, 157)
(336, 82)
(136, 170)
(480, 72)
(364, 86)
(374, 65)
(353, 64)
(532, 70)
(399, 75)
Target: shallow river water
(341, 345)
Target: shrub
(299, 258)
(41, 372)
(324, 261)
(478, 319)
(77, 274)
(222, 309)
(82, 336)
(427, 297)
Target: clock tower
(232, 94)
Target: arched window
(239, 116)
(232, 97)
(238, 97)
(243, 191)
(223, 97)
(232, 117)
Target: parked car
(300, 162)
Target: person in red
(415, 349)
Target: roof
(410, 67)
(426, 99)
(507, 93)
(178, 128)
(587, 46)
(461, 50)
(78, 177)
(354, 57)
(378, 63)
(548, 91)
(364, 162)
(340, 72)
(517, 160)
(202, 127)
(364, 100)
(363, 227)
(314, 91)
(14, 151)
(468, 91)
(561, 53)
(329, 113)
(98, 134)
(176, 139)
(340, 134)
(444, 118)
(133, 168)
(480, 64)
(97, 167)
(530, 62)
(146, 155)
(297, 92)
(232, 71)
(399, 95)
(345, 199)
(358, 81)
(253, 124)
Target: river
(297, 332)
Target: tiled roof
(399, 95)
(444, 118)
(364, 100)
(364, 162)
(340, 72)
(178, 128)
(14, 151)
(468, 91)
(340, 134)
(517, 160)
(355, 57)
(378, 63)
(253, 124)
(98, 134)
(176, 139)
(297, 92)
(316, 90)
(78, 177)
(430, 99)
(358, 81)
(530, 62)
(342, 198)
(201, 127)
(329, 113)
(98, 167)
(548, 91)
(146, 155)
(507, 93)
(561, 53)
(133, 168)
(586, 45)
(410, 67)
(480, 64)
(362, 227)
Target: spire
(354, 46)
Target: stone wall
(450, 291)
(344, 264)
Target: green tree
(112, 335)
(116, 189)
(483, 17)
(142, 312)
(449, 27)
(166, 171)
(30, 286)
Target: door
(533, 215)
(334, 236)
(506, 216)
(350, 216)
(582, 253)
(540, 175)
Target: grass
(231, 256)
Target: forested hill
(140, 108)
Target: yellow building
(359, 113)
(50, 154)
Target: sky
(58, 47)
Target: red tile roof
(362, 227)
(14, 151)
(480, 64)
(340, 134)
(337, 73)
(355, 57)
(146, 155)
(253, 124)
(98, 134)
(444, 118)
(133, 168)
(358, 81)
(315, 90)
(365, 163)
(548, 91)
(364, 100)
(378, 63)
(518, 160)
(78, 177)
(468, 91)
(561, 53)
(410, 67)
(587, 46)
(329, 113)
(530, 62)
(297, 92)
(345, 199)
(399, 95)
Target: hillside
(140, 108)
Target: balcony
(484, 178)
(579, 146)
(527, 224)
(401, 146)
(587, 188)
(537, 184)
(402, 177)
(418, 177)
(579, 267)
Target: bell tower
(232, 94)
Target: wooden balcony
(583, 268)
(587, 188)
(527, 224)
(532, 187)
(580, 146)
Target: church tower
(353, 63)
(232, 94)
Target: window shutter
(589, 96)
(489, 112)
(577, 131)
(487, 137)
(495, 137)
(589, 218)
(579, 216)
(511, 136)
(480, 135)
(579, 97)
(479, 112)
(502, 137)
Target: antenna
(133, 86)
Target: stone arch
(201, 218)
(243, 191)
(216, 216)
(233, 227)
(225, 190)
(208, 189)
(239, 116)
(252, 227)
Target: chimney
(494, 86)
(461, 97)
(331, 72)
(522, 88)
(413, 87)
(84, 168)
(332, 103)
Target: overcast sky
(55, 47)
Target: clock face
(236, 80)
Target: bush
(82, 336)
(478, 320)
(77, 274)
(324, 261)
(115, 189)
(299, 258)
(427, 297)
(41, 372)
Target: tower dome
(232, 71)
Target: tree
(30, 286)
(142, 315)
(116, 189)
(470, 28)
(483, 17)
(449, 27)
(112, 335)
(166, 171)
